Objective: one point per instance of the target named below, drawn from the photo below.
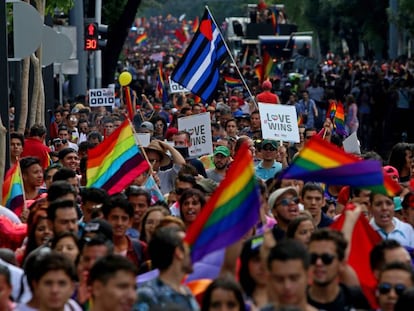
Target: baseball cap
(147, 125)
(233, 98)
(267, 85)
(269, 142)
(391, 171)
(98, 227)
(222, 150)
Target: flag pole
(232, 58)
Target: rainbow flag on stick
(116, 162)
(13, 189)
(321, 161)
(141, 39)
(230, 213)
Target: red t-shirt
(267, 97)
(35, 148)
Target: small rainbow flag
(300, 120)
(141, 39)
(258, 69)
(232, 82)
(13, 190)
(128, 102)
(340, 119)
(196, 24)
(116, 162)
(230, 213)
(267, 63)
(321, 161)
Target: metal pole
(98, 53)
(78, 82)
(4, 79)
(91, 70)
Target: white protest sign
(199, 127)
(101, 97)
(176, 88)
(279, 122)
(351, 144)
(142, 139)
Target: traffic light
(102, 30)
(91, 37)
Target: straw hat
(157, 147)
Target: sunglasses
(385, 288)
(286, 202)
(309, 137)
(326, 258)
(269, 148)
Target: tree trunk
(116, 38)
(24, 103)
(35, 94)
(40, 95)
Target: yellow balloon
(125, 78)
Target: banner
(176, 88)
(279, 122)
(101, 97)
(199, 127)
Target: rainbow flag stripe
(321, 161)
(230, 213)
(141, 39)
(116, 162)
(13, 190)
(232, 82)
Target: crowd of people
(72, 247)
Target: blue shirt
(157, 293)
(267, 173)
(402, 232)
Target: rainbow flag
(258, 69)
(340, 119)
(331, 110)
(230, 213)
(300, 120)
(141, 39)
(13, 190)
(116, 162)
(321, 161)
(232, 82)
(267, 63)
(128, 102)
(196, 24)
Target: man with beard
(327, 259)
(221, 159)
(171, 256)
(283, 204)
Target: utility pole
(98, 53)
(4, 78)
